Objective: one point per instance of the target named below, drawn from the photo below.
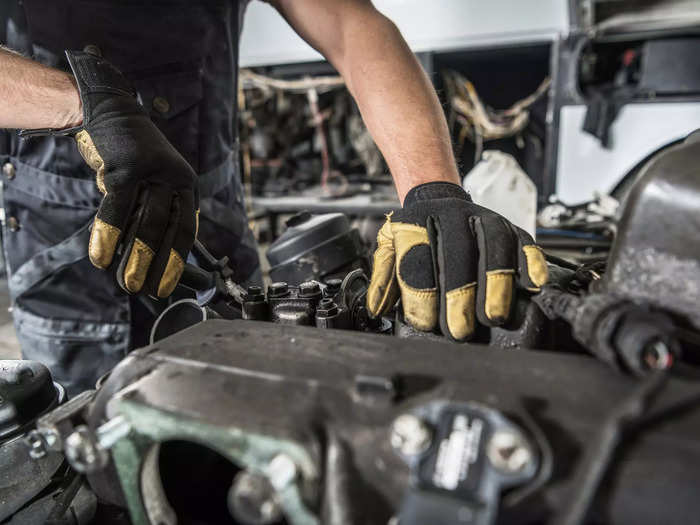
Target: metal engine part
(337, 304)
(316, 247)
(351, 428)
(656, 256)
(35, 485)
(634, 315)
(268, 419)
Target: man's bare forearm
(396, 98)
(398, 103)
(33, 96)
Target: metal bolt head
(51, 438)
(112, 431)
(309, 289)
(83, 453)
(252, 500)
(36, 444)
(326, 308)
(254, 293)
(410, 435)
(8, 170)
(333, 286)
(281, 471)
(278, 289)
(509, 452)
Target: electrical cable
(320, 84)
(481, 123)
(561, 262)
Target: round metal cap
(26, 392)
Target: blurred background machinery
(580, 94)
(290, 405)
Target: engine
(292, 405)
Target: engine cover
(328, 403)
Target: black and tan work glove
(150, 202)
(451, 261)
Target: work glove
(451, 261)
(150, 203)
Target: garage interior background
(524, 77)
(583, 409)
(571, 89)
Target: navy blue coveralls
(182, 58)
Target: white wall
(438, 25)
(584, 166)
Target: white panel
(438, 25)
(584, 166)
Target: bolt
(410, 435)
(333, 286)
(252, 500)
(509, 452)
(281, 471)
(278, 289)
(112, 431)
(254, 293)
(309, 289)
(83, 452)
(326, 308)
(254, 305)
(36, 444)
(51, 438)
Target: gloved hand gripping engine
(451, 261)
(149, 189)
(150, 202)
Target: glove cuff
(95, 75)
(435, 190)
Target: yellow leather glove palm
(451, 262)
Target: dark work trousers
(182, 58)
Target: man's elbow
(365, 27)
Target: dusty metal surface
(656, 256)
(308, 386)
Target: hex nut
(410, 435)
(508, 451)
(254, 294)
(278, 289)
(309, 289)
(326, 308)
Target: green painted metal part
(150, 426)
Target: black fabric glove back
(149, 205)
(451, 261)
